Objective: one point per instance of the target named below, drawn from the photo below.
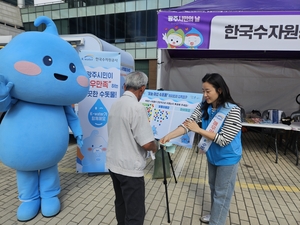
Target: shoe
(28, 210)
(50, 206)
(205, 219)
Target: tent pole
(158, 81)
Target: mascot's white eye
(47, 60)
(72, 67)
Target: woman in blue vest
(221, 141)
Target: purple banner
(229, 30)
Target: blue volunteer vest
(229, 154)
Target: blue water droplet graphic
(98, 114)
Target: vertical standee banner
(103, 69)
(167, 110)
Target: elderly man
(129, 138)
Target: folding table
(274, 126)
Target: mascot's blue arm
(74, 124)
(5, 99)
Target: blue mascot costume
(41, 76)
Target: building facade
(10, 21)
(20, 3)
(130, 25)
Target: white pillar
(21, 3)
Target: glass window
(120, 7)
(48, 14)
(39, 14)
(141, 26)
(136, 28)
(91, 11)
(73, 26)
(109, 28)
(64, 27)
(90, 2)
(31, 9)
(39, 28)
(130, 7)
(91, 26)
(151, 44)
(55, 6)
(140, 44)
(81, 3)
(141, 5)
(39, 9)
(64, 13)
(71, 3)
(186, 1)
(100, 10)
(120, 27)
(130, 45)
(96, 2)
(142, 65)
(25, 19)
(63, 6)
(163, 4)
(47, 8)
(152, 5)
(55, 15)
(120, 45)
(27, 26)
(73, 12)
(175, 3)
(58, 25)
(29, 2)
(81, 11)
(151, 25)
(131, 52)
(151, 53)
(82, 26)
(140, 53)
(32, 16)
(24, 10)
(110, 9)
(100, 27)
(130, 26)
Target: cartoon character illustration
(185, 139)
(41, 76)
(174, 39)
(193, 39)
(154, 130)
(93, 153)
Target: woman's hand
(191, 125)
(173, 134)
(164, 140)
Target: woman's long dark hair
(217, 81)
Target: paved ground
(266, 193)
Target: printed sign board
(167, 110)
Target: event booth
(255, 45)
